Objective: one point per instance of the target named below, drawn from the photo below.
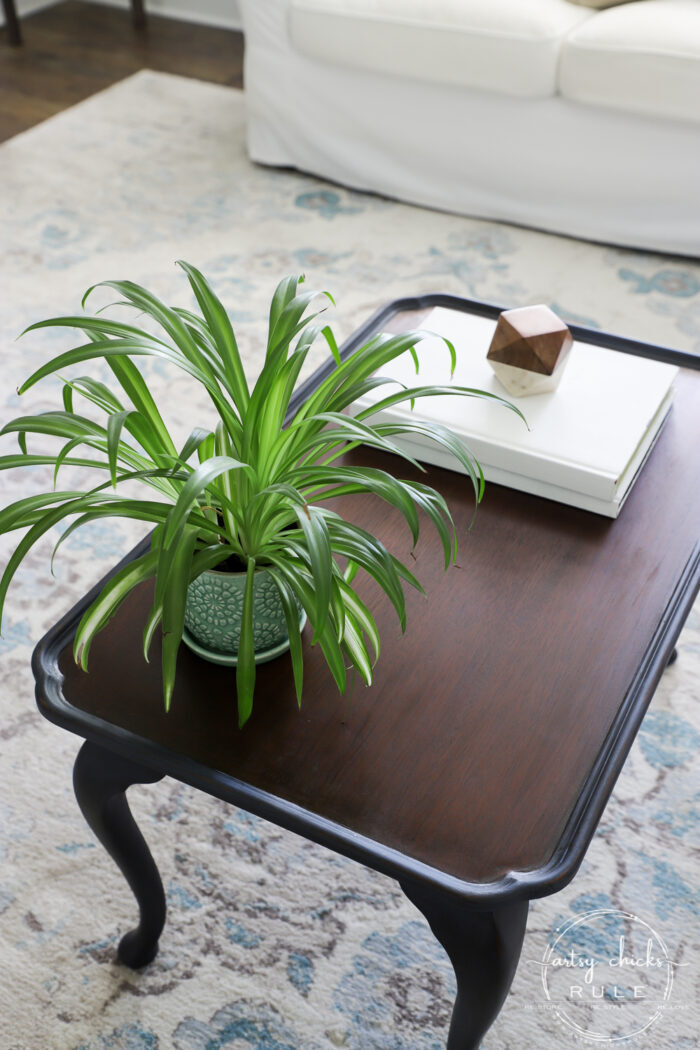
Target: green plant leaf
(350, 430)
(341, 481)
(273, 412)
(170, 540)
(436, 509)
(319, 548)
(103, 349)
(291, 616)
(94, 326)
(204, 558)
(115, 424)
(134, 386)
(359, 366)
(95, 392)
(196, 484)
(101, 611)
(441, 435)
(23, 460)
(21, 513)
(284, 293)
(361, 616)
(195, 365)
(194, 442)
(412, 393)
(356, 649)
(245, 668)
(48, 519)
(138, 510)
(222, 334)
(370, 554)
(173, 609)
(301, 583)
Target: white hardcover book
(587, 440)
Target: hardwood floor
(74, 49)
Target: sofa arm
(265, 24)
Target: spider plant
(254, 485)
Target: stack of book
(587, 441)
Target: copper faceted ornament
(529, 350)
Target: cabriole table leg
(14, 35)
(484, 948)
(138, 13)
(100, 780)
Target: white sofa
(537, 112)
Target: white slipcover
(643, 57)
(509, 46)
(557, 164)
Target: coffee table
(476, 768)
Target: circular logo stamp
(608, 975)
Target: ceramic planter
(213, 617)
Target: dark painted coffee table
(477, 767)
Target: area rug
(273, 943)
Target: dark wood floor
(74, 49)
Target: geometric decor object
(529, 350)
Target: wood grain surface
(530, 337)
(470, 750)
(72, 49)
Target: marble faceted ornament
(529, 350)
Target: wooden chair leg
(138, 13)
(14, 35)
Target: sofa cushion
(509, 46)
(643, 57)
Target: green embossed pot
(214, 614)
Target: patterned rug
(273, 943)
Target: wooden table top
(496, 726)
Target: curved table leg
(14, 35)
(484, 948)
(138, 13)
(100, 779)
